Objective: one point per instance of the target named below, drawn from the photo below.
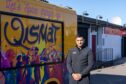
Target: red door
(94, 46)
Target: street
(111, 75)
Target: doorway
(94, 46)
(83, 31)
(124, 46)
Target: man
(79, 62)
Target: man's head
(80, 41)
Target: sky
(108, 9)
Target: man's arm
(90, 63)
(69, 63)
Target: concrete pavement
(111, 75)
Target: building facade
(107, 40)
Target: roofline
(97, 22)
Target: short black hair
(78, 35)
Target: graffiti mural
(27, 41)
(34, 40)
(47, 74)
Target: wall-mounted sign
(114, 31)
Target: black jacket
(80, 61)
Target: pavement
(115, 74)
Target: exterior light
(68, 7)
(84, 14)
(45, 1)
(97, 18)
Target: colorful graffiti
(29, 41)
(31, 34)
(48, 34)
(52, 74)
(29, 8)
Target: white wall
(108, 47)
(113, 42)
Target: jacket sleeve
(69, 62)
(90, 63)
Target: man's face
(79, 41)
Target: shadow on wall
(120, 61)
(107, 79)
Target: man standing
(79, 62)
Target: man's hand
(76, 76)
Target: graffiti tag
(42, 31)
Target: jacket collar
(81, 48)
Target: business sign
(113, 31)
(28, 40)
